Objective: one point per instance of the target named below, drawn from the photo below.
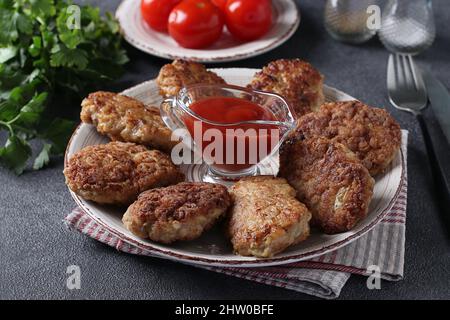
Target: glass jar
(346, 20)
(407, 27)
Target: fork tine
(391, 73)
(399, 71)
(412, 66)
(408, 72)
(417, 74)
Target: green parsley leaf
(65, 57)
(43, 158)
(42, 7)
(6, 3)
(15, 153)
(8, 27)
(31, 112)
(24, 24)
(7, 53)
(8, 110)
(70, 37)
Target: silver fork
(407, 91)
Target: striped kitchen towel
(323, 276)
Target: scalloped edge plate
(141, 36)
(212, 248)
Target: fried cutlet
(180, 212)
(266, 217)
(295, 80)
(181, 73)
(329, 178)
(115, 173)
(371, 133)
(122, 118)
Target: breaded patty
(115, 173)
(122, 118)
(329, 179)
(181, 73)
(296, 80)
(180, 212)
(266, 217)
(371, 133)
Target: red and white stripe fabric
(323, 276)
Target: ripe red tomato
(195, 23)
(248, 19)
(220, 3)
(156, 12)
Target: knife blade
(440, 102)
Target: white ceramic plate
(139, 35)
(213, 248)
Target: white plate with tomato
(207, 31)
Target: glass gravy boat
(227, 151)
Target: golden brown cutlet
(295, 80)
(123, 118)
(266, 217)
(329, 179)
(181, 73)
(116, 172)
(371, 133)
(180, 212)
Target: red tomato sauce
(240, 149)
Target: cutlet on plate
(181, 73)
(371, 133)
(329, 178)
(123, 118)
(116, 172)
(295, 80)
(180, 212)
(266, 217)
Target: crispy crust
(180, 212)
(181, 73)
(371, 133)
(122, 118)
(329, 179)
(296, 80)
(266, 217)
(115, 173)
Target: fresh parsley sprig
(47, 49)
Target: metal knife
(440, 101)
